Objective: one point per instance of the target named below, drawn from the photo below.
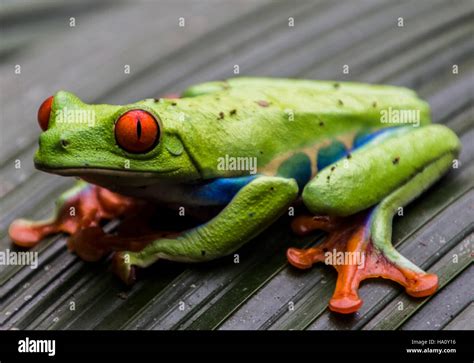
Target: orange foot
(350, 250)
(85, 206)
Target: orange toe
(345, 305)
(301, 259)
(424, 285)
(24, 233)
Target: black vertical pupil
(139, 128)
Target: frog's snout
(64, 142)
(54, 146)
(53, 140)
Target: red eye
(137, 131)
(44, 112)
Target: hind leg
(364, 238)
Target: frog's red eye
(44, 112)
(137, 131)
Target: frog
(248, 149)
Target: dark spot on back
(263, 103)
(396, 160)
(333, 168)
(156, 99)
(374, 104)
(233, 112)
(340, 102)
(173, 103)
(336, 85)
(349, 156)
(221, 115)
(321, 123)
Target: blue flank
(298, 167)
(219, 191)
(330, 154)
(364, 137)
(337, 150)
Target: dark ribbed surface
(254, 294)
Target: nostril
(64, 143)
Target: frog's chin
(102, 176)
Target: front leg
(82, 207)
(256, 206)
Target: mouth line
(91, 171)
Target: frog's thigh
(373, 172)
(254, 208)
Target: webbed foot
(85, 205)
(351, 250)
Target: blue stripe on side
(330, 154)
(219, 191)
(298, 167)
(367, 137)
(336, 150)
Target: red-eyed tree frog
(248, 148)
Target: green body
(296, 114)
(288, 127)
